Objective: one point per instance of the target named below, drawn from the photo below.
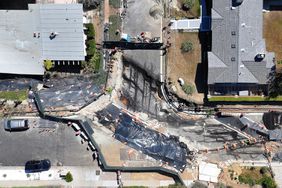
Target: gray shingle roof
(22, 53)
(236, 40)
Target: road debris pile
(134, 133)
(17, 84)
(70, 93)
(150, 142)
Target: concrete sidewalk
(82, 177)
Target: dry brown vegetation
(273, 34)
(184, 65)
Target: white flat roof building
(209, 172)
(43, 32)
(189, 24)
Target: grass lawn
(115, 3)
(272, 33)
(115, 24)
(192, 13)
(242, 99)
(14, 95)
(184, 65)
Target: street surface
(46, 140)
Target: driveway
(137, 20)
(44, 140)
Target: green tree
(275, 87)
(188, 89)
(188, 4)
(68, 177)
(186, 46)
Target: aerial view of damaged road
(141, 93)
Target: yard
(115, 24)
(115, 3)
(177, 12)
(243, 177)
(185, 65)
(272, 34)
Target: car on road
(16, 124)
(37, 166)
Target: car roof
(15, 123)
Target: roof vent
(53, 35)
(233, 8)
(233, 32)
(243, 24)
(243, 50)
(233, 58)
(237, 2)
(260, 57)
(233, 46)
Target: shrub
(68, 177)
(220, 185)
(187, 46)
(268, 182)
(109, 90)
(263, 170)
(188, 4)
(48, 64)
(188, 89)
(90, 31)
(198, 185)
(95, 62)
(247, 179)
(91, 47)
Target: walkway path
(106, 11)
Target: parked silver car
(16, 124)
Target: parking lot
(43, 140)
